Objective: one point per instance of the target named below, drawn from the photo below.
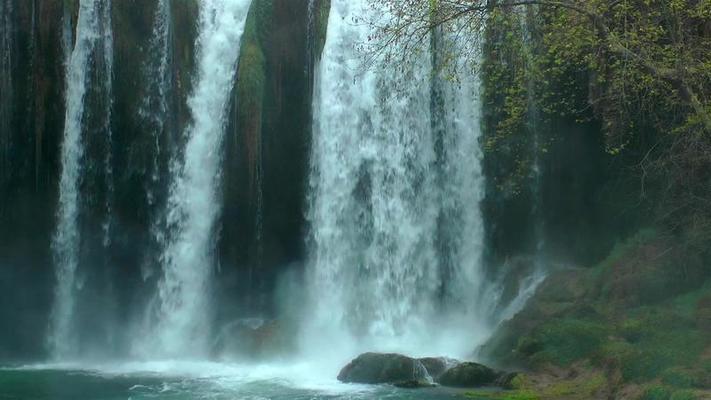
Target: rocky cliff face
(31, 119)
(268, 148)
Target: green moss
(659, 392)
(575, 389)
(566, 340)
(252, 62)
(621, 249)
(679, 378)
(687, 304)
(683, 395)
(323, 13)
(656, 393)
(583, 388)
(655, 341)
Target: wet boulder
(374, 368)
(436, 366)
(469, 374)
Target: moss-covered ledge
(640, 319)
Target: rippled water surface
(136, 381)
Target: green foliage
(622, 249)
(679, 378)
(656, 393)
(683, 395)
(652, 342)
(656, 342)
(576, 321)
(659, 392)
(505, 95)
(582, 388)
(566, 340)
(687, 304)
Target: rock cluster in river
(408, 372)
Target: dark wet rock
(414, 384)
(373, 368)
(505, 380)
(436, 366)
(469, 374)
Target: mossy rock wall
(267, 153)
(641, 316)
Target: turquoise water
(192, 381)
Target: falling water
(310, 37)
(156, 112)
(155, 106)
(107, 73)
(461, 187)
(376, 273)
(183, 323)
(65, 243)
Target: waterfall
(182, 326)
(66, 239)
(462, 183)
(376, 270)
(155, 111)
(154, 108)
(107, 73)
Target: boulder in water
(436, 366)
(373, 368)
(469, 374)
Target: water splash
(183, 321)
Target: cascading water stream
(155, 107)
(156, 113)
(182, 326)
(376, 270)
(108, 73)
(461, 190)
(66, 239)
